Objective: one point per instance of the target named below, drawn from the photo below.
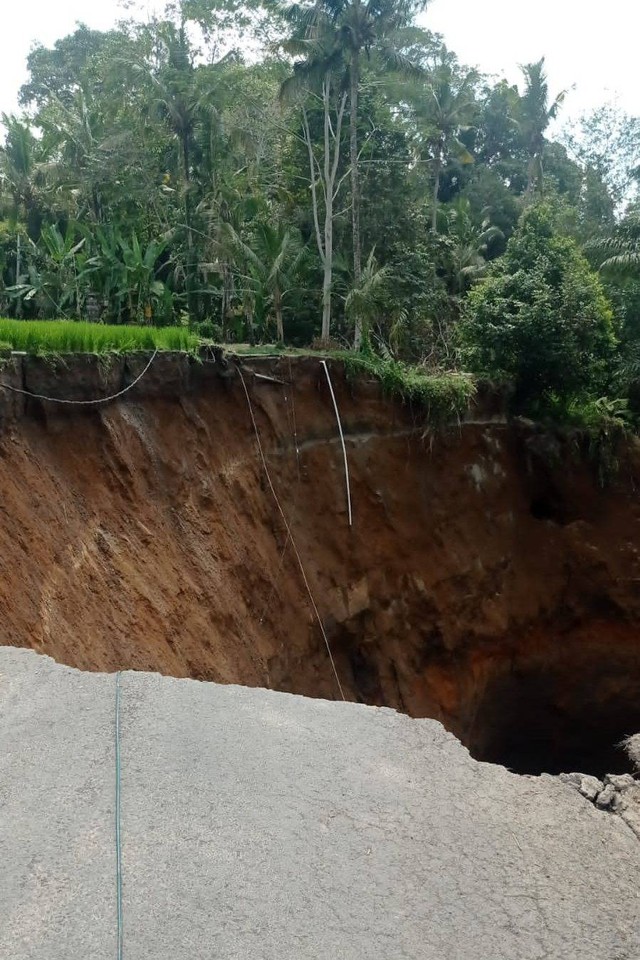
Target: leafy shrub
(208, 330)
(540, 318)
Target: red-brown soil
(489, 580)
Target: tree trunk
(328, 175)
(436, 191)
(327, 280)
(277, 305)
(355, 183)
(227, 294)
(18, 272)
(251, 325)
(535, 175)
(186, 161)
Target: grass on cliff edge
(69, 336)
(445, 396)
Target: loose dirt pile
(489, 581)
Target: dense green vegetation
(348, 183)
(540, 318)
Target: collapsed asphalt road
(258, 824)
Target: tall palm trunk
(436, 192)
(227, 295)
(355, 184)
(18, 272)
(191, 260)
(535, 173)
(277, 306)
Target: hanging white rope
(81, 403)
(344, 448)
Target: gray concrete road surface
(262, 826)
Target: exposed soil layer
(488, 581)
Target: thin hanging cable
(120, 925)
(276, 575)
(290, 535)
(81, 403)
(344, 448)
(295, 424)
(294, 512)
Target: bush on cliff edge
(540, 319)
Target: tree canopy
(264, 170)
(540, 318)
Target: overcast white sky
(591, 45)
(594, 48)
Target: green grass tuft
(68, 336)
(444, 396)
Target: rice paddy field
(68, 336)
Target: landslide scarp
(488, 581)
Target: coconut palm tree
(183, 107)
(24, 166)
(443, 106)
(363, 29)
(366, 28)
(536, 113)
(268, 269)
(469, 244)
(364, 300)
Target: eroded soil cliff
(489, 580)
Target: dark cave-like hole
(570, 718)
(563, 704)
(547, 507)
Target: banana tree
(66, 263)
(143, 289)
(125, 274)
(55, 272)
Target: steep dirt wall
(488, 580)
